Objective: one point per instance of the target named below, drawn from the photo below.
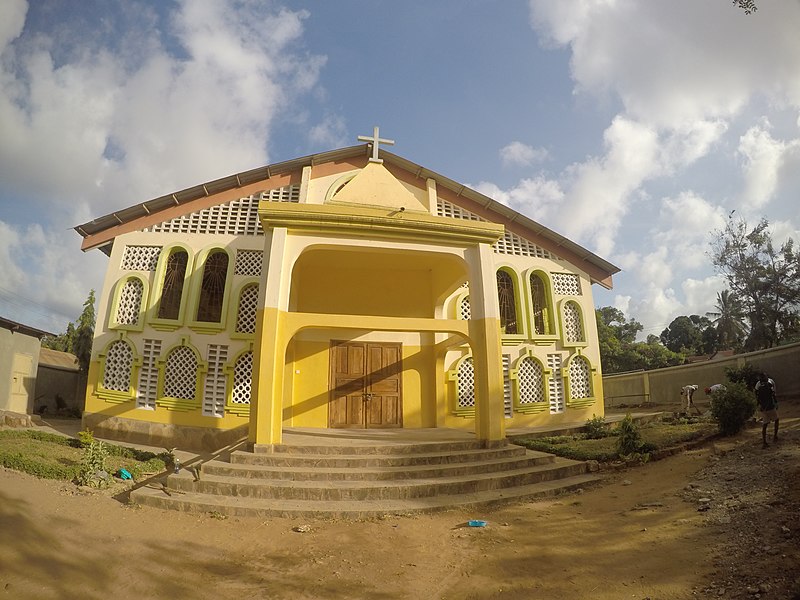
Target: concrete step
(374, 469)
(238, 506)
(360, 446)
(380, 456)
(373, 490)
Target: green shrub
(745, 375)
(35, 466)
(93, 465)
(629, 440)
(596, 428)
(86, 438)
(731, 408)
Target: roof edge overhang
(599, 270)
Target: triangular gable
(374, 185)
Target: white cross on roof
(375, 140)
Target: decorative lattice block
(508, 397)
(288, 193)
(580, 378)
(555, 385)
(573, 327)
(140, 258)
(248, 305)
(180, 374)
(513, 244)
(130, 302)
(530, 377)
(118, 367)
(215, 388)
(248, 263)
(147, 389)
(242, 379)
(448, 209)
(238, 217)
(464, 311)
(466, 384)
(566, 284)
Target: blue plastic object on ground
(476, 523)
(124, 474)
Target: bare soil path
(716, 522)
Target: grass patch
(655, 436)
(52, 456)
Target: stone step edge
(381, 453)
(436, 483)
(358, 447)
(353, 509)
(257, 471)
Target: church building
(347, 289)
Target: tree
(78, 338)
(748, 6)
(764, 279)
(729, 320)
(619, 350)
(690, 335)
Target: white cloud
(684, 60)
(689, 77)
(12, 19)
(519, 154)
(330, 133)
(764, 157)
(164, 123)
(684, 227)
(90, 127)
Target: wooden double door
(365, 384)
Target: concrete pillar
(266, 403)
(484, 332)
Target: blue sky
(634, 128)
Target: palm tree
(729, 320)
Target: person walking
(768, 404)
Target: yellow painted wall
(397, 293)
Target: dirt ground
(719, 521)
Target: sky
(634, 128)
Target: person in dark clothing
(768, 404)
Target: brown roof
(100, 232)
(58, 360)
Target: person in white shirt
(687, 392)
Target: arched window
(541, 306)
(465, 385)
(118, 367)
(580, 378)
(246, 311)
(180, 374)
(507, 300)
(130, 302)
(212, 287)
(172, 291)
(573, 323)
(464, 310)
(530, 378)
(242, 379)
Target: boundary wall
(663, 386)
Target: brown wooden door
(366, 385)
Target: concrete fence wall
(663, 386)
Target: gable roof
(100, 232)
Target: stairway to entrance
(358, 475)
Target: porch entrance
(365, 384)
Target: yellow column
(266, 403)
(484, 331)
